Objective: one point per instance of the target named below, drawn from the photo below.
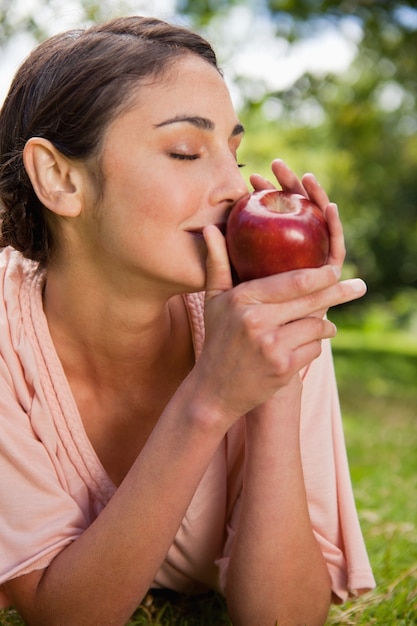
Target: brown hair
(67, 91)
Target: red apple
(273, 231)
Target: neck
(110, 339)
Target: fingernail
(334, 329)
(357, 285)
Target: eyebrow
(199, 122)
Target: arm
(102, 576)
(277, 573)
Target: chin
(192, 282)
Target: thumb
(219, 274)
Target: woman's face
(169, 168)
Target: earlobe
(54, 177)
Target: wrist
(278, 418)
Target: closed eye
(192, 157)
(184, 157)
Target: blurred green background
(330, 87)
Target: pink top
(52, 484)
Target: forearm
(277, 572)
(102, 576)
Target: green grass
(377, 377)
(378, 388)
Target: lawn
(378, 389)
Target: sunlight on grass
(378, 392)
(388, 342)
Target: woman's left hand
(309, 187)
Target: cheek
(153, 191)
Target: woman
(160, 428)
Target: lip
(198, 234)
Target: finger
(292, 299)
(301, 333)
(311, 329)
(282, 288)
(307, 352)
(320, 301)
(315, 191)
(259, 183)
(285, 339)
(337, 241)
(219, 277)
(287, 179)
(295, 345)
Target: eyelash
(192, 157)
(184, 157)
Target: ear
(57, 181)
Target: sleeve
(40, 513)
(328, 485)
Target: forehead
(189, 84)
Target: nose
(229, 184)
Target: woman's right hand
(260, 333)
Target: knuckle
(267, 345)
(301, 281)
(313, 300)
(251, 321)
(279, 357)
(283, 366)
